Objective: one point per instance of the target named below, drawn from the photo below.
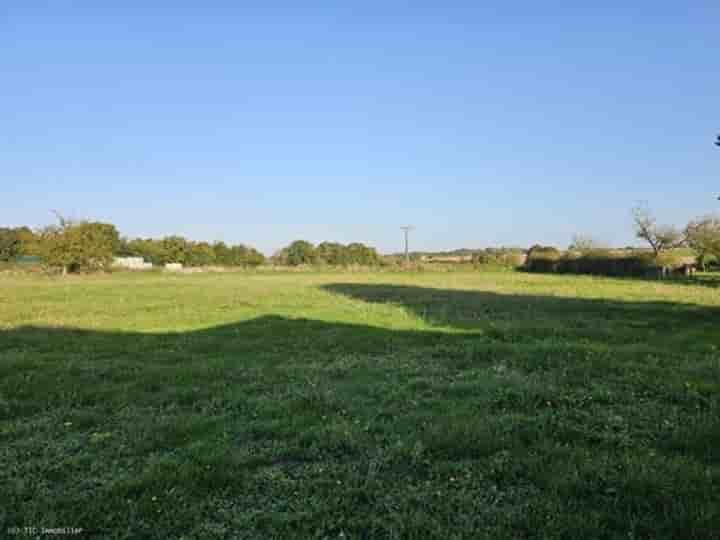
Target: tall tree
(703, 236)
(659, 237)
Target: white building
(132, 263)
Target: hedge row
(603, 262)
(505, 259)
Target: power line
(406, 229)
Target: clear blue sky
(481, 123)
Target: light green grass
(430, 405)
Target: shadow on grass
(530, 318)
(567, 417)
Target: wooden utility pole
(406, 229)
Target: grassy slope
(377, 406)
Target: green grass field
(429, 405)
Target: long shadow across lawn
(543, 415)
(530, 318)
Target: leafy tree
(332, 253)
(29, 241)
(9, 244)
(361, 254)
(703, 237)
(81, 246)
(223, 254)
(338, 255)
(300, 252)
(18, 241)
(659, 237)
(251, 256)
(147, 248)
(175, 249)
(124, 248)
(239, 255)
(200, 254)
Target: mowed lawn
(342, 405)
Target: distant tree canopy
(300, 252)
(331, 253)
(357, 253)
(177, 249)
(79, 246)
(239, 255)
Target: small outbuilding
(132, 263)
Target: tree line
(79, 246)
(74, 246)
(177, 249)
